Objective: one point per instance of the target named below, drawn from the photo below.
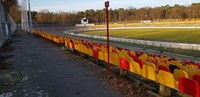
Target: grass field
(173, 35)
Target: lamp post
(30, 17)
(108, 43)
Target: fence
(7, 26)
(185, 46)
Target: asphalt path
(50, 71)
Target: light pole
(108, 43)
(30, 17)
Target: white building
(85, 22)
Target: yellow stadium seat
(190, 72)
(161, 63)
(86, 50)
(132, 52)
(143, 58)
(152, 65)
(158, 59)
(197, 71)
(176, 63)
(135, 67)
(82, 48)
(180, 73)
(149, 72)
(90, 52)
(195, 66)
(103, 49)
(105, 56)
(123, 52)
(76, 46)
(79, 47)
(167, 79)
(191, 67)
(70, 45)
(100, 55)
(128, 58)
(151, 58)
(95, 48)
(114, 59)
(165, 59)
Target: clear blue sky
(81, 5)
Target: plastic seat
(161, 63)
(139, 62)
(151, 59)
(165, 68)
(149, 72)
(152, 65)
(132, 52)
(90, 52)
(196, 77)
(128, 58)
(190, 67)
(114, 59)
(124, 64)
(70, 45)
(190, 72)
(105, 57)
(166, 78)
(81, 48)
(173, 67)
(180, 73)
(86, 50)
(100, 55)
(95, 54)
(135, 67)
(189, 86)
(61, 40)
(76, 46)
(197, 71)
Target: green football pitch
(172, 35)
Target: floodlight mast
(30, 17)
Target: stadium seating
(196, 77)
(100, 55)
(166, 79)
(189, 86)
(114, 59)
(180, 73)
(149, 72)
(165, 68)
(124, 64)
(170, 70)
(135, 67)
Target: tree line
(131, 14)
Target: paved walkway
(51, 72)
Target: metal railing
(7, 28)
(185, 46)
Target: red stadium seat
(165, 68)
(124, 64)
(189, 86)
(196, 77)
(95, 54)
(140, 62)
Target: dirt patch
(6, 47)
(8, 76)
(3, 64)
(125, 86)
